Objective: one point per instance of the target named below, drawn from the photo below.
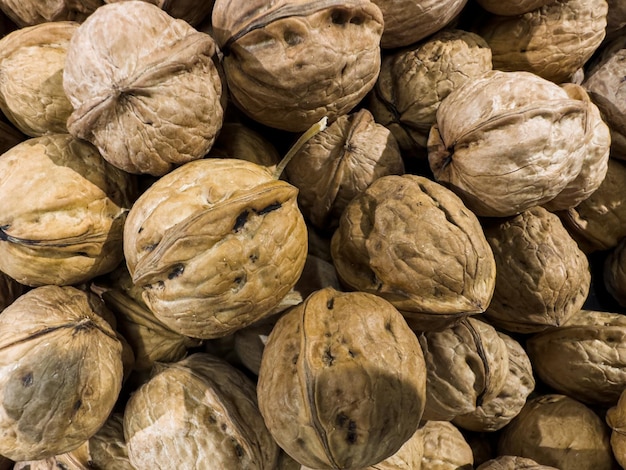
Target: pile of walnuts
(313, 235)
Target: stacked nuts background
(313, 234)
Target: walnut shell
(508, 462)
(151, 113)
(413, 242)
(60, 372)
(215, 245)
(31, 12)
(340, 162)
(291, 62)
(200, 409)
(616, 419)
(342, 380)
(10, 290)
(584, 358)
(467, 365)
(413, 82)
(542, 277)
(493, 415)
(512, 7)
(445, 448)
(192, 11)
(552, 41)
(63, 211)
(558, 431)
(616, 17)
(236, 140)
(469, 148)
(31, 77)
(409, 21)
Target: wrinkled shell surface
(558, 431)
(338, 163)
(512, 7)
(413, 242)
(61, 221)
(342, 380)
(409, 21)
(32, 12)
(60, 372)
(413, 82)
(31, 77)
(215, 245)
(467, 365)
(508, 462)
(469, 149)
(151, 113)
(616, 419)
(552, 41)
(445, 448)
(200, 409)
(542, 277)
(192, 11)
(494, 414)
(585, 358)
(291, 62)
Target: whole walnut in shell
(154, 112)
(467, 365)
(616, 419)
(215, 245)
(469, 148)
(552, 41)
(338, 163)
(60, 372)
(509, 462)
(413, 242)
(32, 12)
(342, 380)
(199, 409)
(558, 431)
(584, 358)
(542, 277)
(413, 81)
(445, 448)
(63, 211)
(288, 63)
(31, 77)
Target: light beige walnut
(63, 211)
(470, 147)
(31, 77)
(342, 380)
(556, 430)
(552, 41)
(413, 242)
(199, 409)
(32, 12)
(542, 277)
(192, 11)
(60, 372)
(149, 96)
(445, 448)
(616, 419)
(509, 462)
(288, 63)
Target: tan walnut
(31, 12)
(616, 419)
(509, 462)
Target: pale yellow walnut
(445, 448)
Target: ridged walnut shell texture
(342, 380)
(414, 243)
(63, 211)
(338, 163)
(469, 148)
(409, 21)
(552, 41)
(413, 81)
(584, 358)
(509, 462)
(558, 431)
(542, 277)
(616, 419)
(31, 77)
(149, 96)
(445, 447)
(198, 410)
(289, 63)
(215, 245)
(31, 12)
(60, 372)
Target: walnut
(512, 7)
(413, 82)
(508, 462)
(31, 12)
(469, 148)
(445, 448)
(192, 11)
(60, 372)
(236, 140)
(552, 41)
(616, 17)
(542, 277)
(342, 380)
(340, 162)
(199, 409)
(150, 113)
(31, 77)
(616, 419)
(291, 62)
(556, 430)
(413, 242)
(63, 211)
